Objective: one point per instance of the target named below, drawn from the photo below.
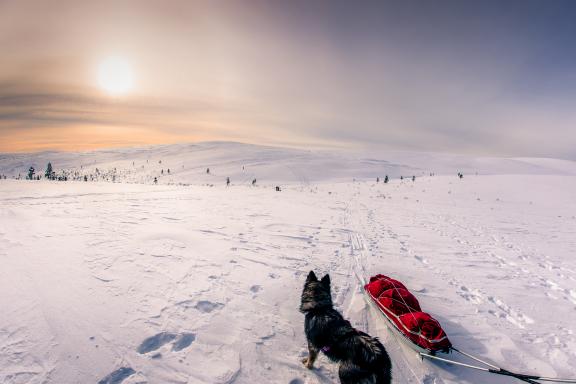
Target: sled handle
(497, 370)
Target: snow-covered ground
(129, 283)
(187, 164)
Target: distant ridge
(243, 163)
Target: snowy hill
(244, 162)
(126, 283)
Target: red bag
(399, 301)
(381, 283)
(403, 310)
(424, 330)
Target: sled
(402, 313)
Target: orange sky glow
(493, 78)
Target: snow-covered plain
(131, 282)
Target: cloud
(474, 77)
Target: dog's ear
(311, 277)
(326, 281)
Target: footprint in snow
(421, 259)
(117, 376)
(206, 306)
(155, 342)
(183, 341)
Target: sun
(115, 76)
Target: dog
(363, 359)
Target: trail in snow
(126, 283)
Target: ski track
(170, 284)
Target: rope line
(496, 370)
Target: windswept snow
(139, 283)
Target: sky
(475, 77)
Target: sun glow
(115, 76)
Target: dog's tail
(352, 373)
(384, 376)
(374, 355)
(370, 348)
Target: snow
(243, 162)
(131, 282)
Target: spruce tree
(48, 173)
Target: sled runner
(421, 332)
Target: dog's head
(316, 293)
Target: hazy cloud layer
(486, 77)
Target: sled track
(406, 365)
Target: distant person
(227, 181)
(413, 178)
(155, 180)
(401, 177)
(208, 170)
(85, 178)
(386, 180)
(254, 182)
(277, 188)
(377, 179)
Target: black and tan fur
(362, 358)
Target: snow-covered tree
(49, 171)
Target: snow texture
(131, 282)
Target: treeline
(64, 175)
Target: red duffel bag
(399, 301)
(424, 330)
(381, 283)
